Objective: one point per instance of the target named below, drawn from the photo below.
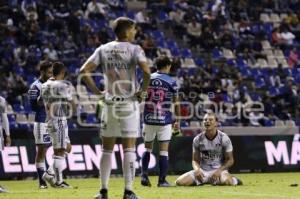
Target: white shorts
(40, 132)
(207, 177)
(120, 120)
(163, 133)
(1, 139)
(58, 130)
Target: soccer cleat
(102, 194)
(145, 181)
(50, 178)
(2, 190)
(43, 186)
(164, 184)
(129, 195)
(63, 185)
(239, 182)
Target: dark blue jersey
(34, 93)
(161, 92)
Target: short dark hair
(58, 67)
(162, 62)
(44, 66)
(210, 113)
(121, 25)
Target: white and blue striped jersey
(212, 152)
(161, 92)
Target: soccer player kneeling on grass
(212, 157)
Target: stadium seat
(18, 108)
(21, 118)
(290, 123)
(91, 119)
(273, 91)
(186, 53)
(260, 82)
(264, 17)
(194, 124)
(228, 54)
(266, 45)
(199, 61)
(216, 54)
(269, 123)
(184, 124)
(188, 63)
(279, 123)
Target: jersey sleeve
(95, 57)
(140, 54)
(226, 144)
(174, 87)
(67, 91)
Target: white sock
(234, 181)
(105, 168)
(58, 166)
(50, 170)
(129, 167)
(40, 165)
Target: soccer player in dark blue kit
(162, 94)
(41, 136)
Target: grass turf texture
(256, 186)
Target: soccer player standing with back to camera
(4, 124)
(158, 118)
(57, 97)
(120, 115)
(41, 135)
(212, 157)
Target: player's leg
(42, 141)
(149, 132)
(227, 179)
(187, 179)
(109, 131)
(129, 166)
(61, 142)
(164, 136)
(130, 125)
(40, 164)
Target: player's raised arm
(87, 68)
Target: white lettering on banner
(81, 158)
(75, 159)
(11, 160)
(278, 153)
(295, 156)
(27, 167)
(92, 157)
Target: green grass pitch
(256, 186)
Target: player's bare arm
(85, 71)
(176, 102)
(146, 80)
(196, 165)
(228, 162)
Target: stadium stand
(242, 50)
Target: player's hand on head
(7, 141)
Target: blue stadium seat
(162, 16)
(91, 119)
(184, 124)
(199, 61)
(216, 53)
(269, 122)
(18, 108)
(260, 82)
(273, 91)
(255, 96)
(186, 53)
(255, 72)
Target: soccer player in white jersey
(158, 118)
(57, 97)
(4, 124)
(212, 157)
(41, 136)
(120, 115)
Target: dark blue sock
(40, 173)
(145, 162)
(163, 167)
